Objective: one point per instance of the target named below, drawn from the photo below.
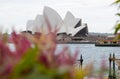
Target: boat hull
(110, 45)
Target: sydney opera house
(69, 26)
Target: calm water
(91, 53)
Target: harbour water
(91, 53)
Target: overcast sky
(98, 14)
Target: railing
(112, 60)
(112, 70)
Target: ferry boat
(111, 43)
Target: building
(70, 25)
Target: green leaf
(118, 14)
(117, 28)
(117, 2)
(26, 64)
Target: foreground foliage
(35, 57)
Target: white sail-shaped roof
(70, 22)
(76, 30)
(52, 17)
(63, 29)
(68, 16)
(30, 25)
(39, 20)
(39, 23)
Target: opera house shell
(50, 18)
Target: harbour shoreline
(75, 42)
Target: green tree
(117, 25)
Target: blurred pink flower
(21, 43)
